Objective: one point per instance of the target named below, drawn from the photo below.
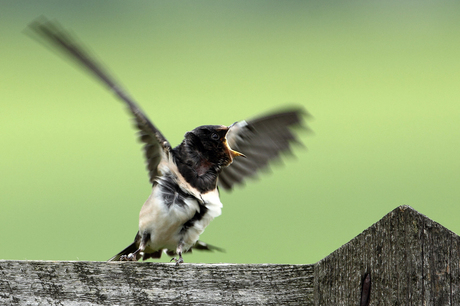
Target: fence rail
(403, 259)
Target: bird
(186, 178)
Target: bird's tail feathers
(128, 250)
(203, 246)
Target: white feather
(164, 222)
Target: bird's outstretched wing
(154, 142)
(261, 140)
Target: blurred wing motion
(261, 140)
(154, 141)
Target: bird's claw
(178, 261)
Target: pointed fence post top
(410, 259)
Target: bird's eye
(214, 136)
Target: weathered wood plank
(147, 283)
(438, 246)
(454, 267)
(412, 261)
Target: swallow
(185, 179)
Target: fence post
(403, 259)
(411, 260)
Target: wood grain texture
(147, 283)
(411, 260)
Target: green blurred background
(381, 79)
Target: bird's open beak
(232, 152)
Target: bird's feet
(178, 260)
(178, 252)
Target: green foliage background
(381, 79)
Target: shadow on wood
(405, 258)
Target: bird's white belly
(214, 209)
(165, 223)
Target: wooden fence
(403, 259)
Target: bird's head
(211, 143)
